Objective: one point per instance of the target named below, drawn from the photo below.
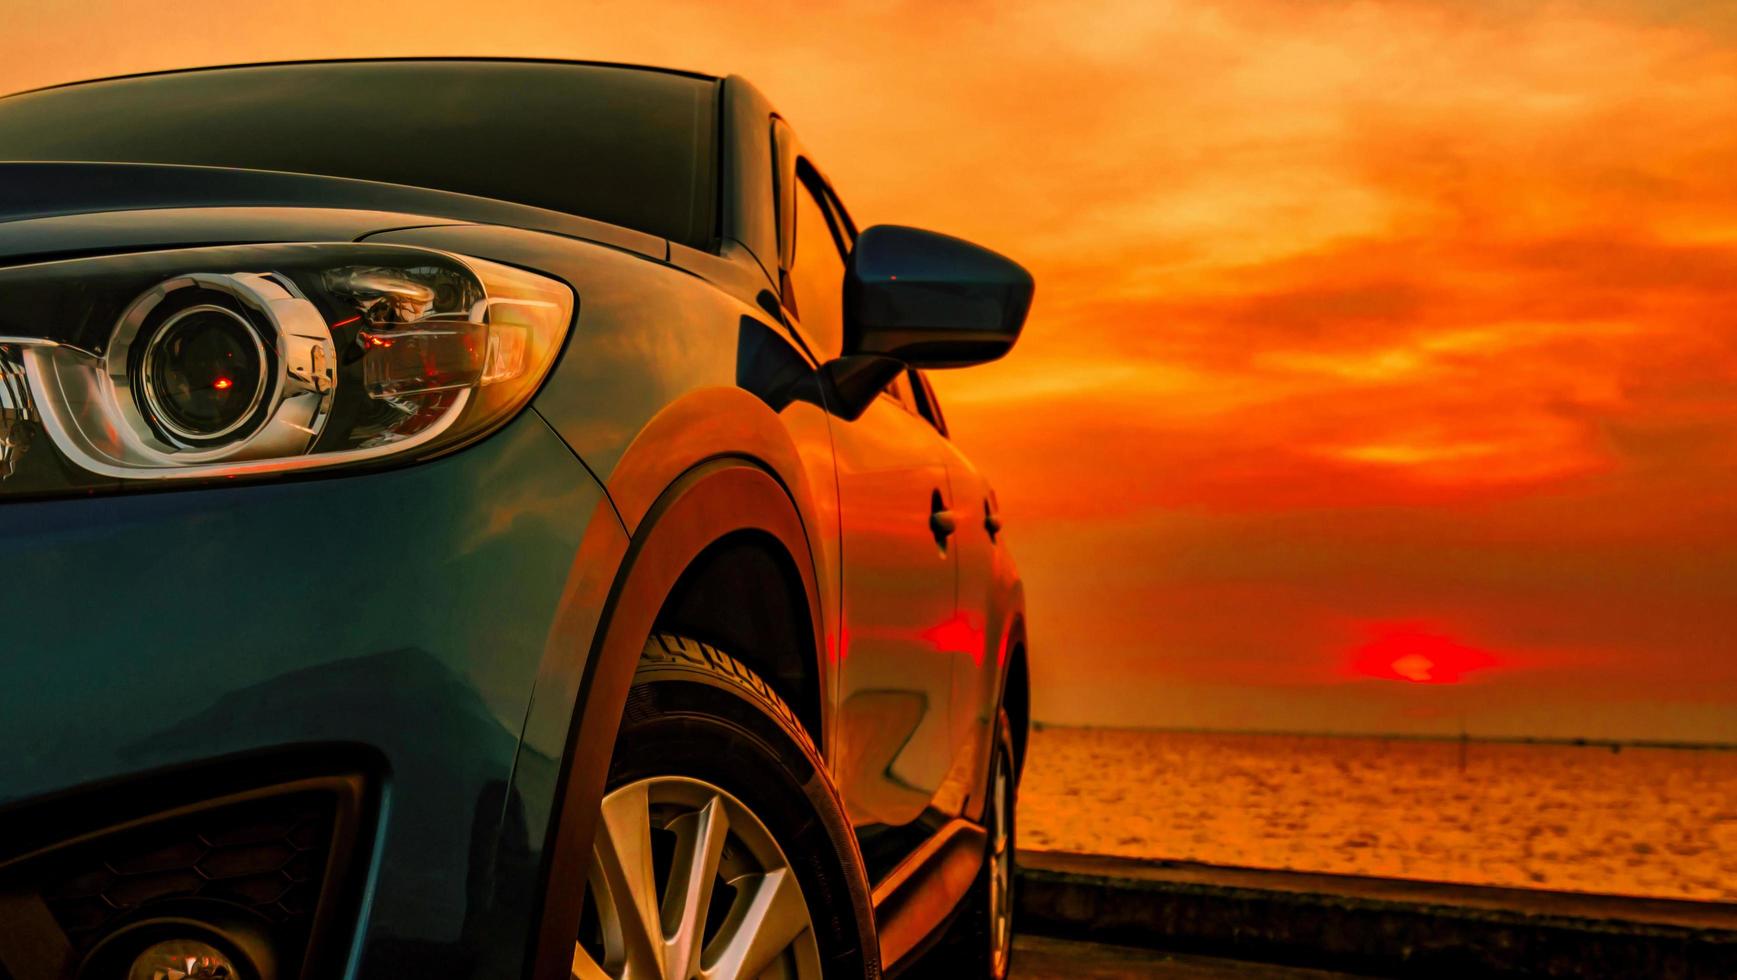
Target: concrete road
(1043, 958)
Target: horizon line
(1577, 742)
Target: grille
(267, 856)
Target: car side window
(899, 390)
(924, 397)
(816, 293)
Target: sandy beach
(1640, 821)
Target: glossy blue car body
(456, 633)
(157, 631)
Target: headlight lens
(252, 360)
(203, 374)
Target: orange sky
(1375, 343)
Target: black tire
(697, 712)
(971, 947)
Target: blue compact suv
(485, 518)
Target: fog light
(182, 959)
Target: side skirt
(919, 897)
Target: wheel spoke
(584, 967)
(1000, 810)
(633, 936)
(699, 847)
(768, 916)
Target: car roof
(473, 59)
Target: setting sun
(1414, 652)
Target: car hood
(49, 210)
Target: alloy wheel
(1001, 873)
(688, 884)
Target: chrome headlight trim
(298, 387)
(85, 396)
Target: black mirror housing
(931, 300)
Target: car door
(973, 639)
(894, 740)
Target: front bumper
(391, 623)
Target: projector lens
(204, 372)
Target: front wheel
(722, 850)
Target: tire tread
(669, 652)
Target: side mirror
(930, 300)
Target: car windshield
(632, 147)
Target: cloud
(1350, 313)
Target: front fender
(709, 501)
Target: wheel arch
(720, 516)
(1016, 695)
(745, 594)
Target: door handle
(991, 521)
(941, 521)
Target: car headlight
(258, 359)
